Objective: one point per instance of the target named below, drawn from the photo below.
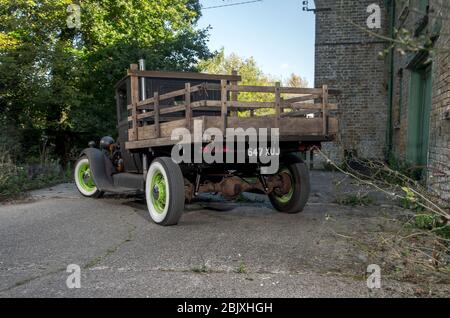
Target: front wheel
(164, 191)
(295, 200)
(84, 180)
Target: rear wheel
(164, 191)
(295, 200)
(84, 180)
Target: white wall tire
(164, 191)
(84, 180)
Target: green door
(419, 116)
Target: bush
(17, 179)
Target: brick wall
(347, 59)
(438, 176)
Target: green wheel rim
(158, 192)
(85, 177)
(288, 196)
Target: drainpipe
(390, 101)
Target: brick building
(397, 106)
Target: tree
(251, 74)
(59, 81)
(296, 81)
(248, 69)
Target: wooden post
(224, 100)
(234, 94)
(156, 110)
(277, 104)
(187, 103)
(134, 82)
(324, 109)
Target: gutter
(390, 101)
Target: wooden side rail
(298, 102)
(150, 101)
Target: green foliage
(242, 268)
(430, 222)
(356, 199)
(251, 74)
(425, 221)
(402, 167)
(201, 270)
(15, 180)
(410, 200)
(59, 82)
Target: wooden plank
(295, 129)
(277, 104)
(149, 101)
(150, 143)
(300, 99)
(288, 126)
(234, 94)
(313, 106)
(202, 103)
(156, 111)
(251, 89)
(324, 109)
(187, 102)
(250, 105)
(270, 89)
(134, 100)
(236, 106)
(166, 129)
(301, 90)
(184, 75)
(173, 94)
(162, 111)
(224, 100)
(301, 112)
(146, 102)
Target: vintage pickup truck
(161, 116)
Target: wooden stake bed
(301, 114)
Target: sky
(277, 33)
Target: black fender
(290, 159)
(101, 169)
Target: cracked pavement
(219, 249)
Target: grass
(242, 268)
(355, 200)
(17, 179)
(430, 222)
(200, 270)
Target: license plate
(263, 152)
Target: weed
(16, 179)
(357, 199)
(200, 270)
(242, 268)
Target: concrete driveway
(219, 249)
